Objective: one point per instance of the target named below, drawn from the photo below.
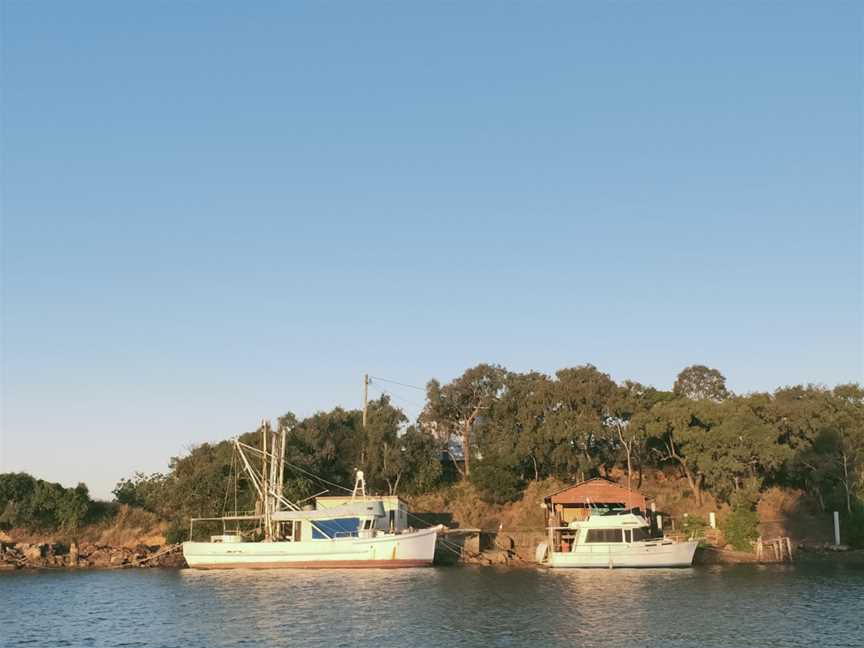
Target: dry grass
(468, 511)
(128, 527)
(792, 513)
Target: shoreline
(14, 558)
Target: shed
(574, 502)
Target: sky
(218, 212)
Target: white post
(712, 520)
(660, 524)
(836, 528)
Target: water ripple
(747, 606)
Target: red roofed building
(574, 502)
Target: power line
(396, 382)
(401, 398)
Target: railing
(776, 550)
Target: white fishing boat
(358, 533)
(618, 538)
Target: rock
(73, 555)
(33, 552)
(99, 557)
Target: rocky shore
(52, 555)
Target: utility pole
(365, 398)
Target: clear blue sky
(218, 212)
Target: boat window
(641, 533)
(628, 537)
(603, 535)
(367, 524)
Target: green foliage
(453, 410)
(40, 506)
(528, 426)
(747, 496)
(699, 382)
(496, 483)
(693, 525)
(176, 533)
(853, 524)
(420, 456)
(741, 528)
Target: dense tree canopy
(501, 429)
(43, 506)
(515, 427)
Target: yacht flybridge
(356, 533)
(617, 538)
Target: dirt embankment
(513, 530)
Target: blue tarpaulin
(337, 528)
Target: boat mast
(266, 487)
(281, 483)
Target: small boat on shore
(617, 538)
(356, 533)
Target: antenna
(365, 398)
(359, 484)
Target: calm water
(742, 606)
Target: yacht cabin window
(604, 535)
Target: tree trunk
(693, 482)
(846, 483)
(466, 451)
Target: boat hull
(658, 554)
(415, 549)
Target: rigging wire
(321, 479)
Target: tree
(699, 382)
(575, 425)
(831, 458)
(678, 429)
(381, 455)
(628, 401)
(420, 457)
(453, 410)
(512, 432)
(742, 449)
(39, 506)
(330, 446)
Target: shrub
(855, 529)
(37, 505)
(176, 533)
(741, 528)
(693, 525)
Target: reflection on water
(746, 606)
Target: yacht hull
(649, 554)
(387, 551)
